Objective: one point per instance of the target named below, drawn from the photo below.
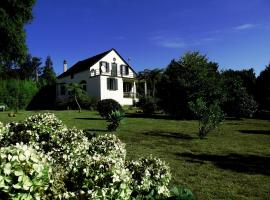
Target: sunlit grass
(233, 162)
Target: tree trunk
(77, 103)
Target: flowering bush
(24, 173)
(82, 167)
(150, 178)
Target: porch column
(145, 88)
(134, 89)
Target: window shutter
(107, 67)
(116, 84)
(108, 83)
(121, 69)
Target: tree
(30, 69)
(14, 15)
(152, 77)
(48, 75)
(209, 116)
(263, 88)
(185, 80)
(76, 92)
(237, 102)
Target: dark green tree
(263, 89)
(237, 102)
(13, 16)
(185, 80)
(76, 92)
(48, 75)
(30, 69)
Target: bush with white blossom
(24, 173)
(82, 167)
(150, 178)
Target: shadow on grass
(89, 118)
(95, 130)
(259, 132)
(148, 116)
(251, 164)
(168, 135)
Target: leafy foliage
(114, 119)
(237, 103)
(24, 173)
(180, 193)
(263, 88)
(209, 116)
(14, 15)
(106, 106)
(151, 177)
(185, 80)
(148, 105)
(82, 167)
(17, 94)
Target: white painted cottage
(104, 76)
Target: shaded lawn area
(232, 163)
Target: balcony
(130, 95)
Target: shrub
(24, 173)
(180, 193)
(209, 116)
(82, 167)
(148, 105)
(106, 106)
(114, 119)
(150, 178)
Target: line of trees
(239, 93)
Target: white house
(104, 76)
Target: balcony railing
(130, 95)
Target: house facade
(103, 76)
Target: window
(124, 70)
(92, 72)
(62, 89)
(104, 67)
(112, 84)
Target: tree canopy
(14, 14)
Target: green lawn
(232, 163)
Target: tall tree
(14, 14)
(263, 88)
(152, 77)
(187, 79)
(48, 74)
(30, 69)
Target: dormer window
(104, 67)
(92, 72)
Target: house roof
(87, 63)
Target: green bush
(209, 116)
(180, 193)
(150, 178)
(17, 94)
(114, 119)
(148, 105)
(82, 167)
(24, 173)
(106, 106)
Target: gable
(93, 62)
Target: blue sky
(234, 33)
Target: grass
(232, 163)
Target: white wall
(97, 84)
(92, 85)
(109, 58)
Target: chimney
(65, 66)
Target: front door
(114, 69)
